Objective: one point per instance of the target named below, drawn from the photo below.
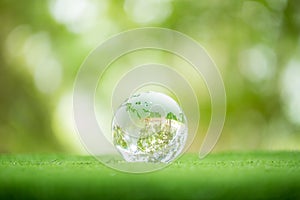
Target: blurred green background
(255, 44)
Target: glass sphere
(149, 127)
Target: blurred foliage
(255, 44)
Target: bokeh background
(255, 44)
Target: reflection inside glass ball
(149, 127)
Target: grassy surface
(256, 175)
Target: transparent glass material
(149, 127)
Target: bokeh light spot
(257, 63)
(77, 15)
(290, 92)
(146, 12)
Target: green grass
(255, 175)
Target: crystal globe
(149, 127)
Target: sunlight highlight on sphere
(149, 127)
